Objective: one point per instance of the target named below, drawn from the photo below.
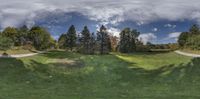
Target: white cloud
(155, 29)
(147, 37)
(170, 26)
(114, 31)
(15, 12)
(173, 35)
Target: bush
(5, 43)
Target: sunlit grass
(151, 61)
(114, 76)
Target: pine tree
(194, 29)
(104, 41)
(85, 40)
(71, 38)
(134, 39)
(124, 43)
(128, 40)
(92, 44)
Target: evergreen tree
(103, 40)
(128, 40)
(92, 44)
(125, 41)
(85, 40)
(194, 30)
(71, 38)
(134, 39)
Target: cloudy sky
(159, 21)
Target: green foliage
(40, 37)
(11, 33)
(194, 42)
(62, 41)
(86, 42)
(22, 36)
(103, 40)
(5, 43)
(194, 30)
(71, 38)
(182, 40)
(190, 39)
(128, 40)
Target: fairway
(61, 75)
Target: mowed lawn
(66, 75)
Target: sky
(158, 21)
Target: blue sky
(159, 21)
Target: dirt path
(187, 54)
(21, 55)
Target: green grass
(153, 60)
(114, 76)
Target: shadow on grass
(107, 66)
(182, 73)
(13, 70)
(105, 69)
(61, 54)
(102, 76)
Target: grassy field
(65, 75)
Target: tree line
(36, 37)
(85, 42)
(102, 42)
(190, 39)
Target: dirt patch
(66, 63)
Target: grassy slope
(115, 76)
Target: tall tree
(125, 40)
(134, 39)
(22, 36)
(71, 37)
(92, 43)
(40, 37)
(85, 40)
(104, 40)
(128, 40)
